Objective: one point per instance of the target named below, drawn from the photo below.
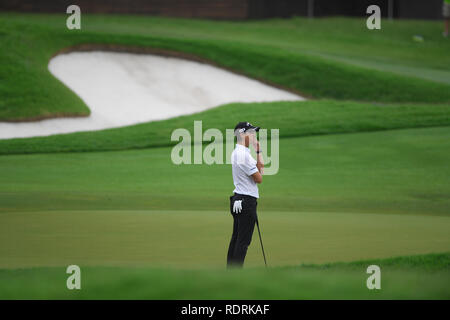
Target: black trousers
(243, 226)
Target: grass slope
(294, 119)
(426, 262)
(412, 277)
(28, 42)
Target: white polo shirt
(243, 166)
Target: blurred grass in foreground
(413, 277)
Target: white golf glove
(237, 206)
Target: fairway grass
(394, 171)
(412, 277)
(339, 197)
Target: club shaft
(260, 240)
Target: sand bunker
(123, 89)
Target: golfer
(247, 173)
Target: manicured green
(286, 53)
(412, 277)
(198, 239)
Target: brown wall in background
(214, 9)
(233, 9)
(409, 9)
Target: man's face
(252, 134)
(250, 137)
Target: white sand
(123, 89)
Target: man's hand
(259, 158)
(255, 143)
(260, 166)
(237, 206)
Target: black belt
(245, 196)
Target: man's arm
(260, 162)
(257, 177)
